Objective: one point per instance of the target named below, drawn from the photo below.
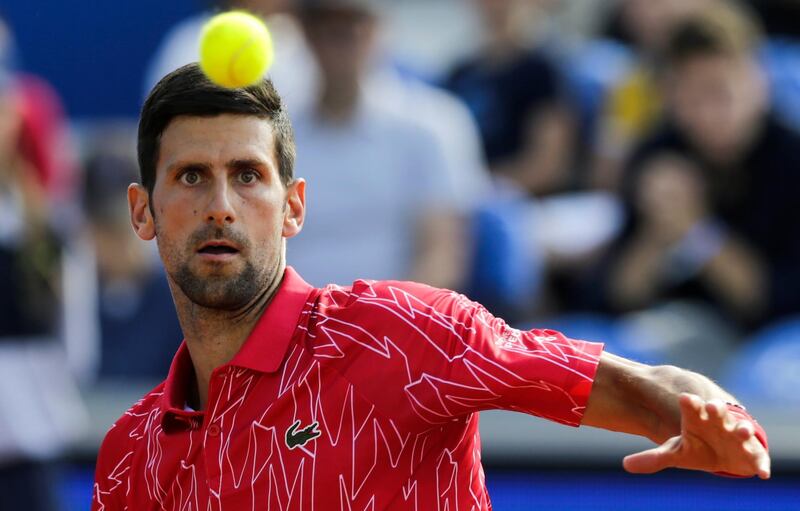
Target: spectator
(29, 247)
(136, 322)
(634, 105)
(447, 119)
(718, 112)
(40, 412)
(43, 138)
(676, 249)
(403, 223)
(515, 94)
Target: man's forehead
(223, 136)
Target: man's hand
(711, 439)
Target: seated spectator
(718, 113)
(674, 275)
(675, 248)
(515, 95)
(379, 183)
(634, 105)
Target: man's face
(717, 100)
(343, 41)
(220, 211)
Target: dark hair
(187, 91)
(724, 29)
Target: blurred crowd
(637, 184)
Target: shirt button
(213, 430)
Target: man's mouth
(218, 248)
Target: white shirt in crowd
(370, 181)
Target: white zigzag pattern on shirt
(480, 385)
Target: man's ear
(141, 216)
(295, 211)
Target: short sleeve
(443, 356)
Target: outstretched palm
(711, 439)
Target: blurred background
(624, 171)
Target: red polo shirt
(343, 398)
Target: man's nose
(220, 208)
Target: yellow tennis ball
(235, 49)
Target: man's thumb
(649, 461)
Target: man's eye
(248, 177)
(190, 177)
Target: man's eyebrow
(239, 163)
(185, 165)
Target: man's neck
(214, 336)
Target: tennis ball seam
(232, 78)
(236, 49)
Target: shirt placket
(214, 436)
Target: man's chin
(225, 296)
(222, 273)
(217, 302)
(224, 287)
(218, 269)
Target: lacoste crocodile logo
(295, 438)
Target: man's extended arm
(683, 411)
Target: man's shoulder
(387, 328)
(118, 451)
(366, 291)
(388, 305)
(124, 428)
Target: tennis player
(363, 397)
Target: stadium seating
(766, 370)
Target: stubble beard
(228, 292)
(220, 292)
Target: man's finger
(761, 459)
(744, 430)
(764, 466)
(649, 461)
(716, 408)
(691, 401)
(692, 410)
